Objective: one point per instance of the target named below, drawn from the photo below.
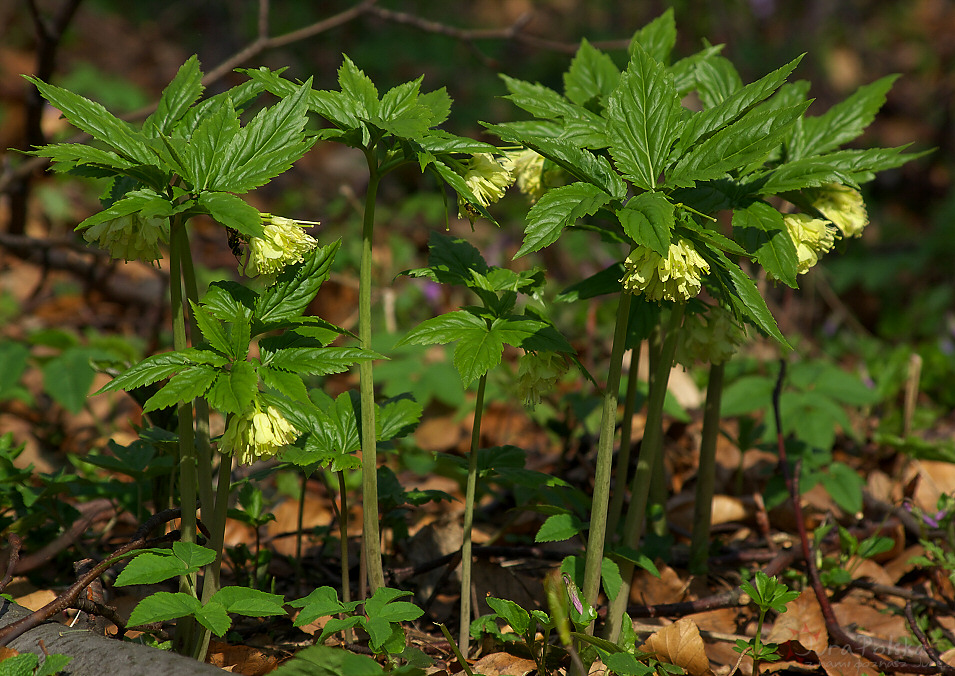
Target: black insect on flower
(235, 242)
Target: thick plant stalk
(608, 422)
(187, 634)
(706, 474)
(371, 538)
(626, 434)
(651, 448)
(465, 630)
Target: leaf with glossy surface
(657, 37)
(592, 75)
(648, 220)
(295, 287)
(184, 90)
(232, 212)
(761, 230)
(557, 209)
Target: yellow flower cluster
(812, 237)
(537, 373)
(487, 179)
(257, 434)
(130, 237)
(283, 243)
(528, 170)
(678, 277)
(709, 338)
(842, 205)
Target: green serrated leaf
(746, 298)
(296, 286)
(249, 602)
(657, 37)
(144, 202)
(559, 527)
(648, 220)
(760, 229)
(184, 90)
(190, 383)
(592, 75)
(511, 613)
(540, 101)
(68, 378)
(147, 371)
(233, 391)
(734, 146)
(841, 123)
(717, 80)
(319, 361)
(232, 212)
(644, 119)
(557, 209)
(207, 145)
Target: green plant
(767, 594)
(839, 570)
(28, 664)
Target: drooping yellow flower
(257, 435)
(130, 237)
(284, 243)
(812, 237)
(710, 338)
(842, 205)
(678, 277)
(538, 373)
(487, 178)
(528, 170)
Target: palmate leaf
(265, 147)
(592, 75)
(707, 121)
(746, 140)
(557, 209)
(184, 90)
(576, 161)
(760, 229)
(841, 123)
(644, 119)
(98, 122)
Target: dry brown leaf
(7, 653)
(841, 662)
(503, 664)
(680, 644)
(870, 617)
(948, 657)
(803, 622)
(725, 509)
(650, 590)
(240, 659)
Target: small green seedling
(768, 594)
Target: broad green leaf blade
(232, 212)
(511, 613)
(451, 260)
(644, 120)
(147, 371)
(438, 104)
(68, 378)
(249, 602)
(318, 361)
(295, 287)
(211, 329)
(193, 556)
(233, 391)
(734, 146)
(559, 527)
(184, 90)
(760, 229)
(320, 602)
(557, 209)
(320, 660)
(477, 352)
(717, 80)
(266, 147)
(841, 123)
(704, 123)
(204, 152)
(358, 87)
(190, 383)
(67, 156)
(214, 617)
(578, 162)
(163, 606)
(685, 70)
(444, 329)
(289, 384)
(809, 172)
(98, 122)
(742, 293)
(144, 202)
(648, 220)
(592, 75)
(440, 142)
(540, 101)
(656, 38)
(397, 418)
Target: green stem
(608, 423)
(343, 536)
(651, 449)
(179, 252)
(371, 537)
(706, 474)
(626, 441)
(464, 634)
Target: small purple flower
(572, 592)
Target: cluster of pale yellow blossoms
(711, 337)
(487, 179)
(527, 168)
(257, 434)
(131, 237)
(677, 278)
(538, 373)
(283, 243)
(844, 215)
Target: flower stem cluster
(677, 278)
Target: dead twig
(69, 597)
(15, 543)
